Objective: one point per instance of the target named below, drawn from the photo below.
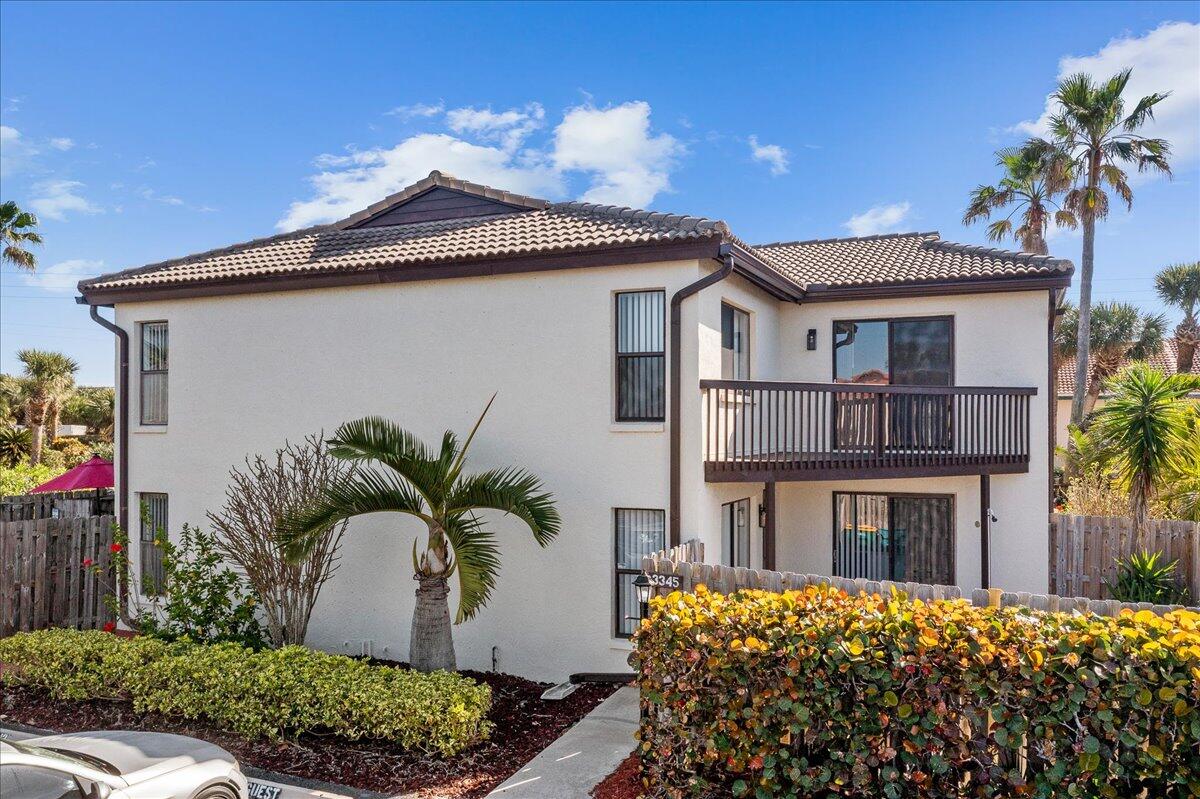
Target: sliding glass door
(898, 537)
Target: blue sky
(144, 132)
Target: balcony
(760, 431)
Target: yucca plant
(14, 445)
(1145, 577)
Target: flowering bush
(815, 693)
(272, 693)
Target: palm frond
(456, 467)
(1143, 112)
(374, 438)
(477, 561)
(512, 491)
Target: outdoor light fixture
(811, 340)
(644, 590)
(762, 515)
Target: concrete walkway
(582, 757)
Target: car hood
(138, 756)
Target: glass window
(154, 373)
(901, 352)
(154, 524)
(641, 357)
(33, 782)
(894, 537)
(861, 352)
(639, 532)
(735, 343)
(735, 533)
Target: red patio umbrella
(96, 473)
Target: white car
(118, 765)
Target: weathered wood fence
(56, 505)
(727, 579)
(1084, 549)
(43, 579)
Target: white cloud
(147, 193)
(62, 143)
(510, 127)
(55, 198)
(416, 110)
(16, 152)
(627, 164)
(1167, 59)
(879, 219)
(773, 155)
(64, 275)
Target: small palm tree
(1179, 286)
(17, 231)
(47, 375)
(428, 485)
(1143, 430)
(1091, 129)
(1030, 184)
(1120, 333)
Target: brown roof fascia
(775, 283)
(442, 270)
(817, 292)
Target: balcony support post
(985, 524)
(771, 503)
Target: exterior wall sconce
(811, 339)
(762, 515)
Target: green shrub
(22, 477)
(272, 693)
(814, 693)
(1143, 577)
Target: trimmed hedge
(272, 693)
(815, 693)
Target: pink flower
(87, 562)
(115, 548)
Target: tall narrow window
(735, 533)
(153, 400)
(154, 524)
(641, 357)
(639, 532)
(735, 343)
(894, 537)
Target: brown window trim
(143, 371)
(890, 495)
(618, 356)
(737, 309)
(889, 319)
(620, 570)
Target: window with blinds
(903, 538)
(641, 357)
(154, 524)
(153, 397)
(735, 343)
(639, 532)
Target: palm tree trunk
(35, 417)
(1187, 333)
(431, 644)
(1083, 347)
(53, 411)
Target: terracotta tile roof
(901, 258)
(1165, 359)
(536, 227)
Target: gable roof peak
(439, 179)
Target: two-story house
(876, 407)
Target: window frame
(143, 372)
(748, 352)
(620, 571)
(619, 356)
(891, 341)
(889, 496)
(147, 545)
(730, 542)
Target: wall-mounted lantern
(811, 339)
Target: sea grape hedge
(272, 693)
(815, 693)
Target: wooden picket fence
(670, 571)
(43, 580)
(56, 504)
(1084, 550)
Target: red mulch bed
(623, 783)
(524, 726)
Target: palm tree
(1030, 185)
(1179, 285)
(47, 375)
(1144, 430)
(1092, 130)
(16, 232)
(428, 485)
(1119, 333)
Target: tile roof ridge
(980, 249)
(659, 219)
(437, 178)
(930, 234)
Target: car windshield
(66, 756)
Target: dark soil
(524, 725)
(623, 783)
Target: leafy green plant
(22, 477)
(74, 451)
(1147, 577)
(272, 693)
(14, 445)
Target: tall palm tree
(1090, 128)
(16, 233)
(1179, 285)
(1119, 333)
(47, 375)
(428, 485)
(1144, 430)
(1031, 185)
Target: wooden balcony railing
(760, 430)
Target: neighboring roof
(901, 258)
(1166, 360)
(504, 226)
